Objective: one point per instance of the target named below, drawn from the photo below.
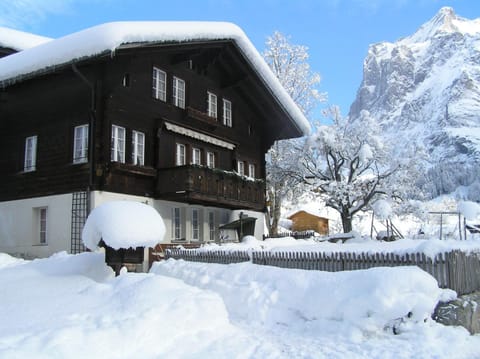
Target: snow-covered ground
(72, 306)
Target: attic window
(126, 80)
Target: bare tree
(349, 166)
(289, 63)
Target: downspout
(91, 128)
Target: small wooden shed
(304, 221)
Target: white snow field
(72, 306)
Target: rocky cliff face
(425, 88)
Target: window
(42, 225)
(178, 92)
(211, 225)
(126, 80)
(30, 154)
(118, 144)
(241, 168)
(196, 156)
(177, 224)
(210, 160)
(251, 170)
(195, 225)
(227, 113)
(180, 155)
(159, 87)
(138, 148)
(212, 105)
(80, 144)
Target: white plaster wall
(19, 230)
(99, 197)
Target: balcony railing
(202, 116)
(202, 185)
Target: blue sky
(337, 32)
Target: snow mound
(123, 224)
(368, 300)
(47, 314)
(7, 260)
(72, 306)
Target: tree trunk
(275, 212)
(346, 222)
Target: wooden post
(371, 227)
(459, 226)
(441, 225)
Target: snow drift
(368, 300)
(72, 306)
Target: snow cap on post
(123, 224)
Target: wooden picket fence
(296, 235)
(455, 270)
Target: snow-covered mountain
(426, 88)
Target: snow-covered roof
(106, 38)
(123, 224)
(19, 40)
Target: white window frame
(117, 152)
(251, 170)
(138, 148)
(177, 224)
(211, 159)
(196, 156)
(80, 144)
(241, 168)
(30, 161)
(195, 224)
(211, 225)
(180, 155)
(212, 105)
(179, 92)
(159, 84)
(227, 113)
(42, 225)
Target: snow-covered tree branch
(289, 63)
(349, 166)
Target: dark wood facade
(117, 90)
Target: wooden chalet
(304, 221)
(176, 115)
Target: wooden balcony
(210, 187)
(198, 115)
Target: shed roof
(296, 214)
(106, 38)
